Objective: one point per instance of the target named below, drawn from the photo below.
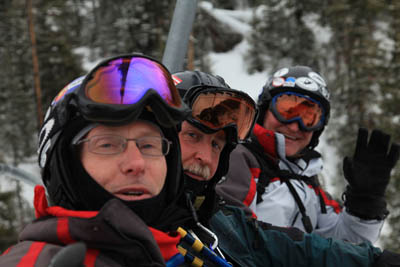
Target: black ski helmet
(187, 82)
(187, 79)
(59, 159)
(300, 79)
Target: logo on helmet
(277, 81)
(290, 82)
(325, 92)
(316, 77)
(67, 89)
(176, 80)
(45, 141)
(281, 72)
(307, 84)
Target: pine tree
(8, 231)
(281, 36)
(357, 57)
(57, 39)
(18, 129)
(15, 213)
(390, 117)
(58, 65)
(123, 26)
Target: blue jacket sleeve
(254, 243)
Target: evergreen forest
(45, 44)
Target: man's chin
(291, 152)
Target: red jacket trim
(274, 179)
(63, 233)
(328, 201)
(255, 172)
(166, 242)
(90, 257)
(6, 251)
(30, 258)
(42, 207)
(266, 139)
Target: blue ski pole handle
(198, 246)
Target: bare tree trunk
(35, 63)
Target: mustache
(199, 170)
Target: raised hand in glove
(368, 174)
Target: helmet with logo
(297, 79)
(117, 91)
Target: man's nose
(204, 154)
(132, 160)
(294, 126)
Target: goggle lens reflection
(125, 81)
(290, 107)
(217, 110)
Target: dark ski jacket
(114, 236)
(253, 243)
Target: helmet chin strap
(196, 189)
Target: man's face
(128, 175)
(295, 138)
(200, 151)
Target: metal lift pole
(179, 34)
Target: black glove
(388, 259)
(368, 174)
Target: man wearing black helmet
(219, 116)
(274, 177)
(110, 158)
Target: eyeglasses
(118, 88)
(152, 146)
(217, 108)
(290, 107)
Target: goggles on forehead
(217, 108)
(291, 107)
(119, 88)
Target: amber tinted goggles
(291, 107)
(219, 108)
